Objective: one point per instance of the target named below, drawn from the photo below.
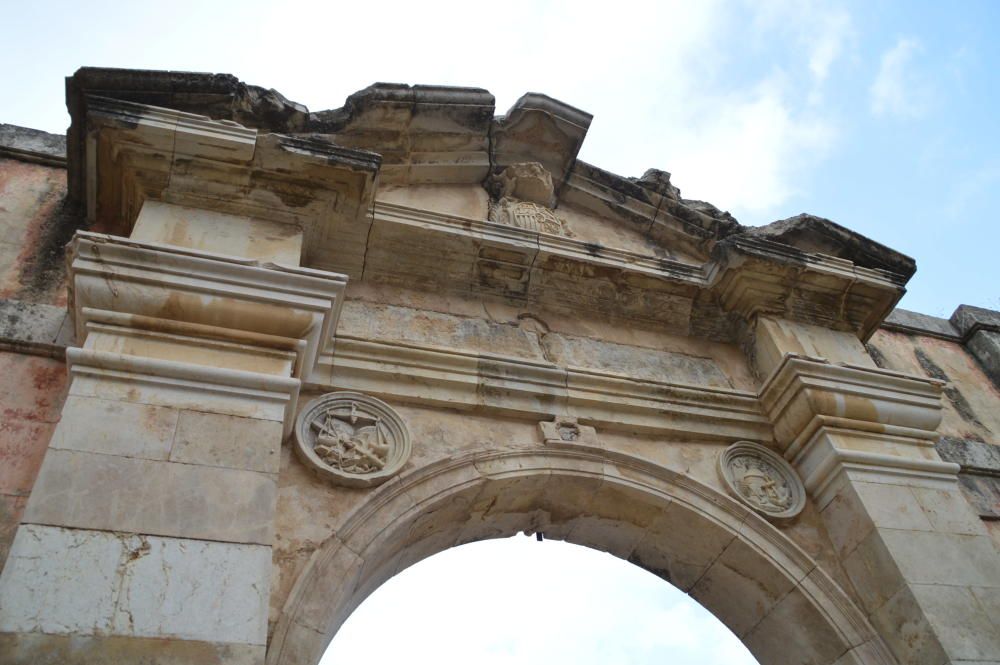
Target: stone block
(741, 587)
(961, 623)
(11, 508)
(873, 572)
(191, 396)
(113, 427)
(22, 447)
(33, 387)
(93, 491)
(218, 232)
(41, 649)
(795, 631)
(948, 511)
(196, 590)
(227, 441)
(943, 558)
(32, 324)
(60, 581)
(681, 560)
(907, 631)
(100, 583)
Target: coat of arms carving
(762, 480)
(352, 439)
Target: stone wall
(31, 398)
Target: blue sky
(879, 115)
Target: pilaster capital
(831, 418)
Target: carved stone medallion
(762, 480)
(352, 439)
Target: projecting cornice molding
(186, 296)
(320, 171)
(134, 152)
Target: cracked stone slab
(74, 581)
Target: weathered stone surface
(96, 491)
(11, 508)
(32, 389)
(980, 329)
(42, 649)
(227, 441)
(22, 448)
(32, 145)
(30, 326)
(219, 233)
(72, 581)
(809, 233)
(113, 427)
(35, 225)
(903, 320)
(50, 579)
(969, 411)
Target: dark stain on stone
(592, 248)
(877, 356)
(43, 271)
(953, 394)
(662, 573)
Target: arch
(750, 576)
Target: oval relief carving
(352, 439)
(762, 480)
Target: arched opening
(517, 600)
(768, 592)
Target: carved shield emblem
(762, 480)
(352, 439)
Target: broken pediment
(424, 186)
(818, 235)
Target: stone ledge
(979, 477)
(914, 323)
(34, 328)
(972, 456)
(32, 145)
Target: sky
(881, 116)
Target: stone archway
(756, 581)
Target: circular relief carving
(352, 439)
(762, 480)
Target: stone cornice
(747, 275)
(132, 152)
(205, 295)
(313, 173)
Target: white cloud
(897, 90)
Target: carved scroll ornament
(352, 439)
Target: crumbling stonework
(286, 354)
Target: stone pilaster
(862, 439)
(148, 533)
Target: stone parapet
(980, 330)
